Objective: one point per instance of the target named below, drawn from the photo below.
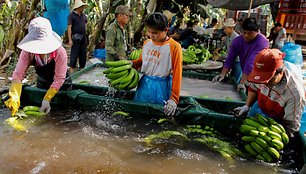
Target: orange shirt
(162, 60)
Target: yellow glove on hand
(14, 102)
(50, 94)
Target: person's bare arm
(69, 36)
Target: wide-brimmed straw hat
(266, 63)
(40, 39)
(79, 3)
(229, 22)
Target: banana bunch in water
(264, 137)
(121, 75)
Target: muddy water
(91, 142)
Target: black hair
(250, 24)
(277, 24)
(279, 70)
(157, 21)
(214, 20)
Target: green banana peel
(125, 114)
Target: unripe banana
(278, 144)
(274, 135)
(248, 138)
(126, 84)
(275, 129)
(35, 113)
(254, 133)
(117, 63)
(271, 120)
(246, 128)
(262, 120)
(257, 147)
(128, 77)
(139, 53)
(117, 75)
(107, 71)
(121, 68)
(260, 157)
(285, 138)
(253, 118)
(31, 108)
(251, 123)
(267, 157)
(117, 81)
(135, 80)
(261, 142)
(274, 153)
(281, 128)
(263, 129)
(132, 55)
(265, 137)
(250, 150)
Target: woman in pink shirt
(42, 48)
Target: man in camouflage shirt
(116, 42)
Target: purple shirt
(246, 51)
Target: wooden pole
(251, 3)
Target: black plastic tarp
(238, 4)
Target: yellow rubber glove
(14, 102)
(50, 94)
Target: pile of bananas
(135, 54)
(264, 137)
(33, 111)
(121, 75)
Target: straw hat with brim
(79, 3)
(229, 22)
(265, 65)
(168, 14)
(40, 39)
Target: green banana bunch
(121, 75)
(263, 137)
(135, 54)
(33, 111)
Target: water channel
(74, 141)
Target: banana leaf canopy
(238, 4)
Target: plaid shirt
(284, 101)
